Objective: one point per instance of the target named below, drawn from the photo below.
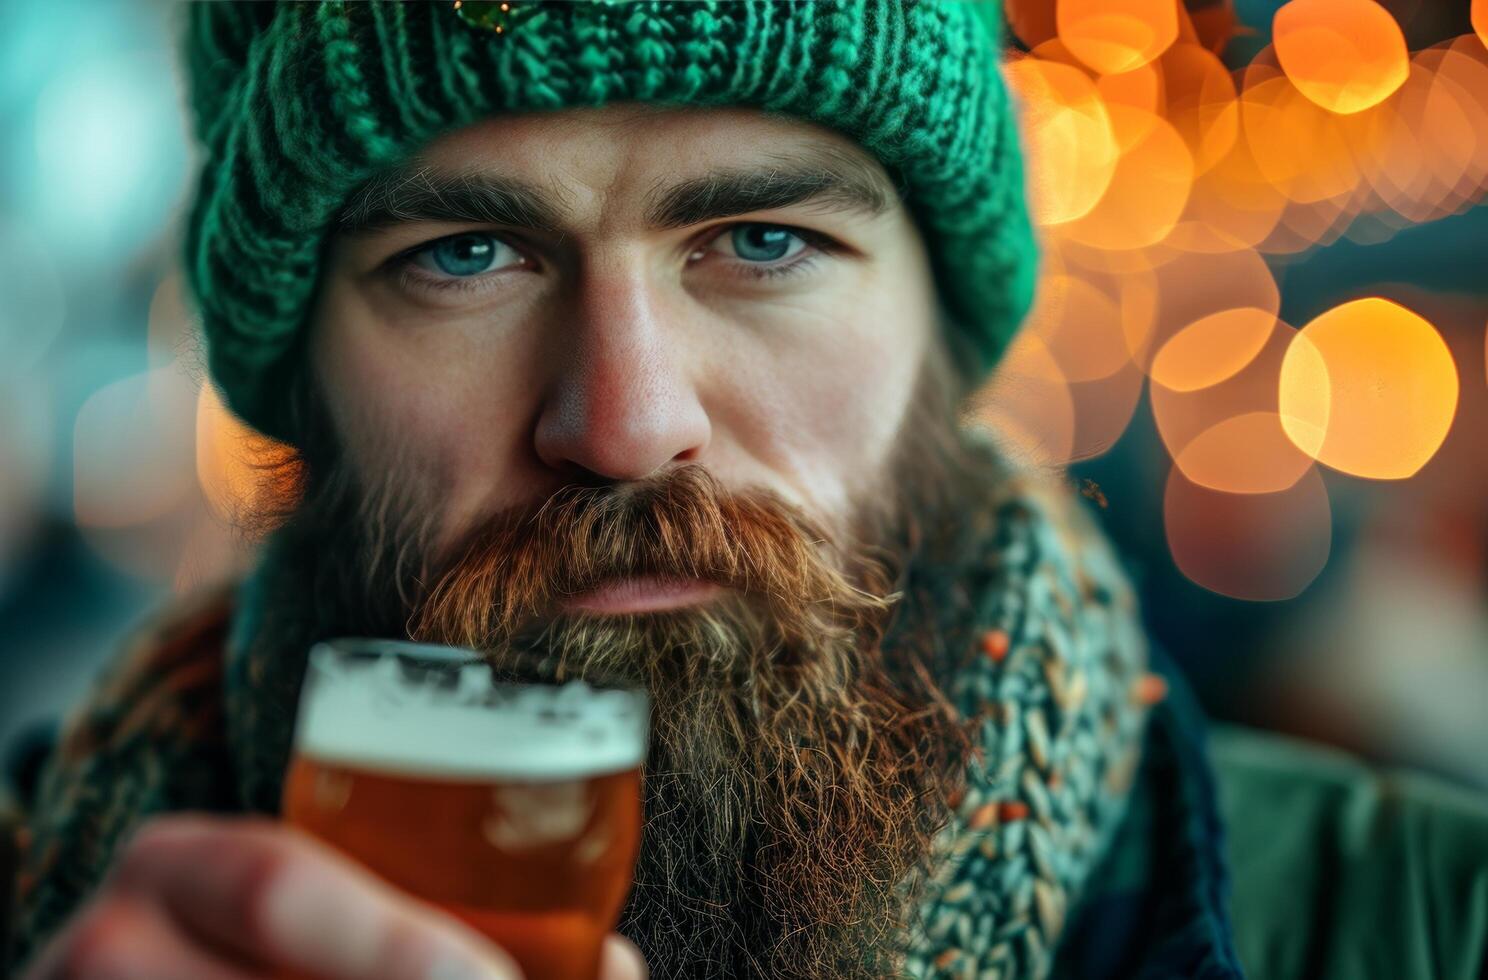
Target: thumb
(622, 960)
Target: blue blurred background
(98, 505)
(107, 504)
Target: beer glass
(515, 807)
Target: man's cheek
(857, 406)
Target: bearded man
(632, 341)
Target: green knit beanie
(297, 104)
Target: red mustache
(679, 525)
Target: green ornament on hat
(297, 104)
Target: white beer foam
(433, 713)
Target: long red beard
(788, 778)
(798, 772)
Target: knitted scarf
(1040, 641)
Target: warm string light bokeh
(1166, 187)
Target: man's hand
(208, 898)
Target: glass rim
(428, 709)
(440, 655)
(438, 652)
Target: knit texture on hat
(297, 104)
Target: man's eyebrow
(829, 180)
(421, 193)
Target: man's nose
(622, 401)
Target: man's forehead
(683, 166)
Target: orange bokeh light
(1424, 156)
(1370, 389)
(1212, 349)
(1080, 325)
(1226, 434)
(1232, 206)
(1247, 453)
(1299, 148)
(1126, 278)
(1026, 405)
(1427, 155)
(1103, 410)
(1141, 88)
(1305, 224)
(1390, 156)
(1113, 36)
(1464, 69)
(1201, 102)
(1148, 189)
(1068, 138)
(1166, 186)
(1193, 286)
(1344, 55)
(1256, 546)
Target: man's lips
(642, 593)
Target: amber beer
(516, 808)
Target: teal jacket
(1247, 854)
(1345, 871)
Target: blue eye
(460, 255)
(763, 243)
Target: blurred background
(1259, 348)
